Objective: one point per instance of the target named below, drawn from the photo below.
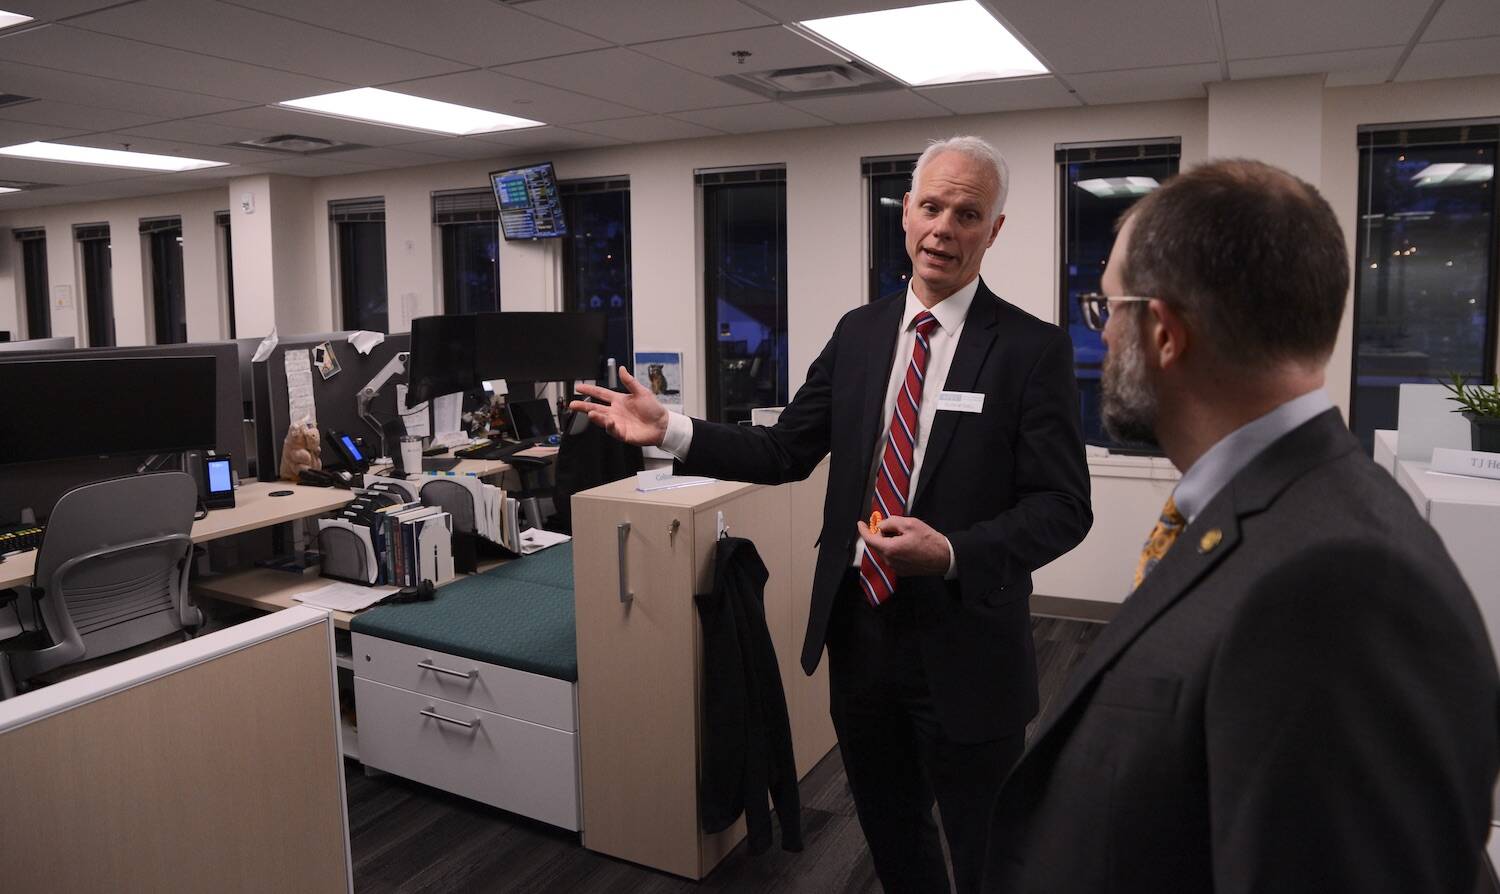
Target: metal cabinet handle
(466, 724)
(427, 665)
(622, 536)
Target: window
(226, 246)
(98, 294)
(34, 261)
(163, 237)
(888, 180)
(1098, 183)
(469, 221)
(744, 290)
(1424, 285)
(359, 226)
(596, 257)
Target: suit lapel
(1252, 491)
(886, 327)
(973, 348)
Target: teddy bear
(302, 450)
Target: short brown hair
(1250, 255)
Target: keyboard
(497, 451)
(16, 538)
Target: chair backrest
(589, 457)
(113, 568)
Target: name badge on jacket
(961, 401)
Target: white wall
(1293, 122)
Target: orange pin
(875, 519)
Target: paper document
(535, 539)
(447, 412)
(299, 386)
(414, 418)
(364, 340)
(344, 597)
(266, 346)
(663, 479)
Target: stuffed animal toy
(302, 450)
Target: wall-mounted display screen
(530, 207)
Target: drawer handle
(622, 537)
(466, 724)
(427, 665)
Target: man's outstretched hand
(636, 417)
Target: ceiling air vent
(296, 144)
(814, 80)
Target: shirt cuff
(952, 561)
(679, 436)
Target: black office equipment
(530, 205)
(537, 346)
(106, 406)
(215, 477)
(347, 447)
(20, 537)
(532, 420)
(438, 464)
(442, 356)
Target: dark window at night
(744, 250)
(890, 268)
(1098, 184)
(168, 301)
(1424, 285)
(226, 236)
(360, 225)
(596, 258)
(98, 293)
(469, 221)
(34, 260)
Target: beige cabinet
(638, 561)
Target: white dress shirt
(942, 341)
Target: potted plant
(1481, 406)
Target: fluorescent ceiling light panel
(11, 19)
(1118, 187)
(6, 189)
(411, 112)
(943, 43)
(1453, 174)
(108, 158)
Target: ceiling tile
(761, 116)
(1452, 59)
(103, 55)
(539, 139)
(64, 86)
(479, 32)
(267, 121)
(1086, 35)
(387, 157)
(261, 39)
(1145, 84)
(64, 114)
(312, 167)
(195, 130)
(647, 19)
(857, 108)
(1352, 66)
(169, 147)
(502, 93)
(53, 172)
(770, 49)
(628, 78)
(804, 10)
(1257, 28)
(647, 129)
(1002, 96)
(456, 148)
(1459, 19)
(14, 132)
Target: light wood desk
(254, 508)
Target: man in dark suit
(955, 415)
(1300, 694)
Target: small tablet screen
(219, 480)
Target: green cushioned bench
(518, 615)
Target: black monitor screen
(532, 419)
(105, 406)
(442, 356)
(541, 346)
(530, 207)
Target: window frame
(570, 192)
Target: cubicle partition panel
(212, 765)
(38, 486)
(57, 343)
(333, 398)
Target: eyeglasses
(1095, 308)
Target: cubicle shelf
(348, 739)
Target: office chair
(112, 573)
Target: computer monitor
(530, 205)
(532, 419)
(442, 356)
(528, 346)
(106, 406)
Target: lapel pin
(1210, 541)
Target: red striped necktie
(893, 479)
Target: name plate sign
(1476, 463)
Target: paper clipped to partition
(663, 479)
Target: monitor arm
(367, 394)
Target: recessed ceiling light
(1118, 187)
(6, 189)
(109, 158)
(411, 112)
(1453, 174)
(942, 43)
(12, 19)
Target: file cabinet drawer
(511, 764)
(477, 684)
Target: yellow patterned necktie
(1162, 537)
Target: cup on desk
(411, 455)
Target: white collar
(950, 312)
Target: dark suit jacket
(1310, 705)
(1008, 486)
